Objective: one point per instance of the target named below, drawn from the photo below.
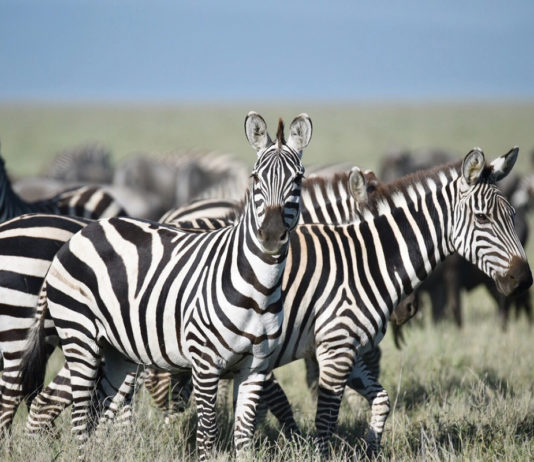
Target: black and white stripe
(160, 296)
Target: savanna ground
(456, 394)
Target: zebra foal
(160, 296)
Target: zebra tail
(34, 358)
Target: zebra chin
(516, 280)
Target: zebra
(85, 163)
(84, 201)
(181, 177)
(350, 193)
(353, 186)
(207, 302)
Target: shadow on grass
(414, 395)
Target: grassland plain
(456, 394)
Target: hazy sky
(207, 50)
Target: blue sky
(187, 51)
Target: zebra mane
(280, 133)
(338, 177)
(385, 196)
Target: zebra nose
(405, 310)
(517, 279)
(273, 232)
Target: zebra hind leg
(83, 366)
(10, 391)
(115, 405)
(170, 392)
(49, 403)
(115, 389)
(363, 380)
(274, 399)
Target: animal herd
(209, 280)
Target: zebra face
(276, 179)
(484, 230)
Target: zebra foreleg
(335, 366)
(363, 380)
(205, 384)
(275, 400)
(250, 389)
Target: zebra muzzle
(273, 234)
(517, 279)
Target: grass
(456, 394)
(31, 134)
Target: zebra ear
(372, 181)
(504, 164)
(300, 132)
(473, 165)
(358, 185)
(256, 131)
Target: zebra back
(84, 201)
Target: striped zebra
(206, 302)
(84, 201)
(27, 245)
(85, 163)
(181, 177)
(343, 281)
(352, 186)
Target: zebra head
(276, 178)
(484, 230)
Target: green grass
(456, 394)
(31, 135)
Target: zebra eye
(254, 176)
(481, 217)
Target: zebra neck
(327, 202)
(413, 232)
(250, 259)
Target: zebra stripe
(176, 300)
